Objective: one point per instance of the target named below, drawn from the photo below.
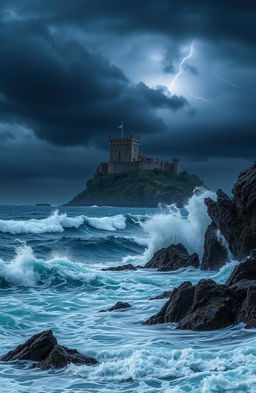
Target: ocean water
(51, 278)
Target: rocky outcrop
(236, 217)
(44, 349)
(173, 257)
(117, 306)
(215, 253)
(208, 305)
(119, 268)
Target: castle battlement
(124, 156)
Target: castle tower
(124, 149)
(176, 165)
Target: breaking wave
(59, 222)
(25, 270)
(174, 225)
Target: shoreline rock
(45, 350)
(209, 306)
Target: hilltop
(138, 189)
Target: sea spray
(175, 225)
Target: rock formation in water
(235, 217)
(117, 306)
(173, 257)
(208, 305)
(215, 253)
(44, 349)
(166, 259)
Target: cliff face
(235, 217)
(138, 189)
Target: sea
(51, 278)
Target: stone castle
(124, 156)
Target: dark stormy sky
(180, 74)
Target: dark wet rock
(35, 348)
(164, 295)
(247, 311)
(173, 257)
(213, 307)
(204, 306)
(208, 305)
(176, 307)
(129, 266)
(235, 217)
(215, 253)
(61, 356)
(117, 306)
(244, 271)
(44, 349)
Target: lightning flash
(183, 61)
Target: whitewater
(51, 278)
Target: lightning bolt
(179, 73)
(230, 83)
(183, 61)
(203, 100)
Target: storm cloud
(71, 71)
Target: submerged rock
(173, 257)
(215, 254)
(119, 268)
(44, 349)
(235, 217)
(208, 305)
(117, 306)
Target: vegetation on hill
(141, 188)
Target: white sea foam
(59, 222)
(107, 223)
(171, 226)
(26, 270)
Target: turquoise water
(51, 278)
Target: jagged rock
(173, 257)
(236, 217)
(215, 254)
(208, 305)
(44, 349)
(129, 266)
(247, 312)
(244, 271)
(117, 306)
(164, 295)
(35, 348)
(61, 356)
(213, 307)
(204, 306)
(176, 307)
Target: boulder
(244, 271)
(176, 307)
(119, 268)
(208, 305)
(35, 348)
(173, 257)
(235, 217)
(44, 349)
(215, 253)
(117, 306)
(61, 356)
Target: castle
(124, 156)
